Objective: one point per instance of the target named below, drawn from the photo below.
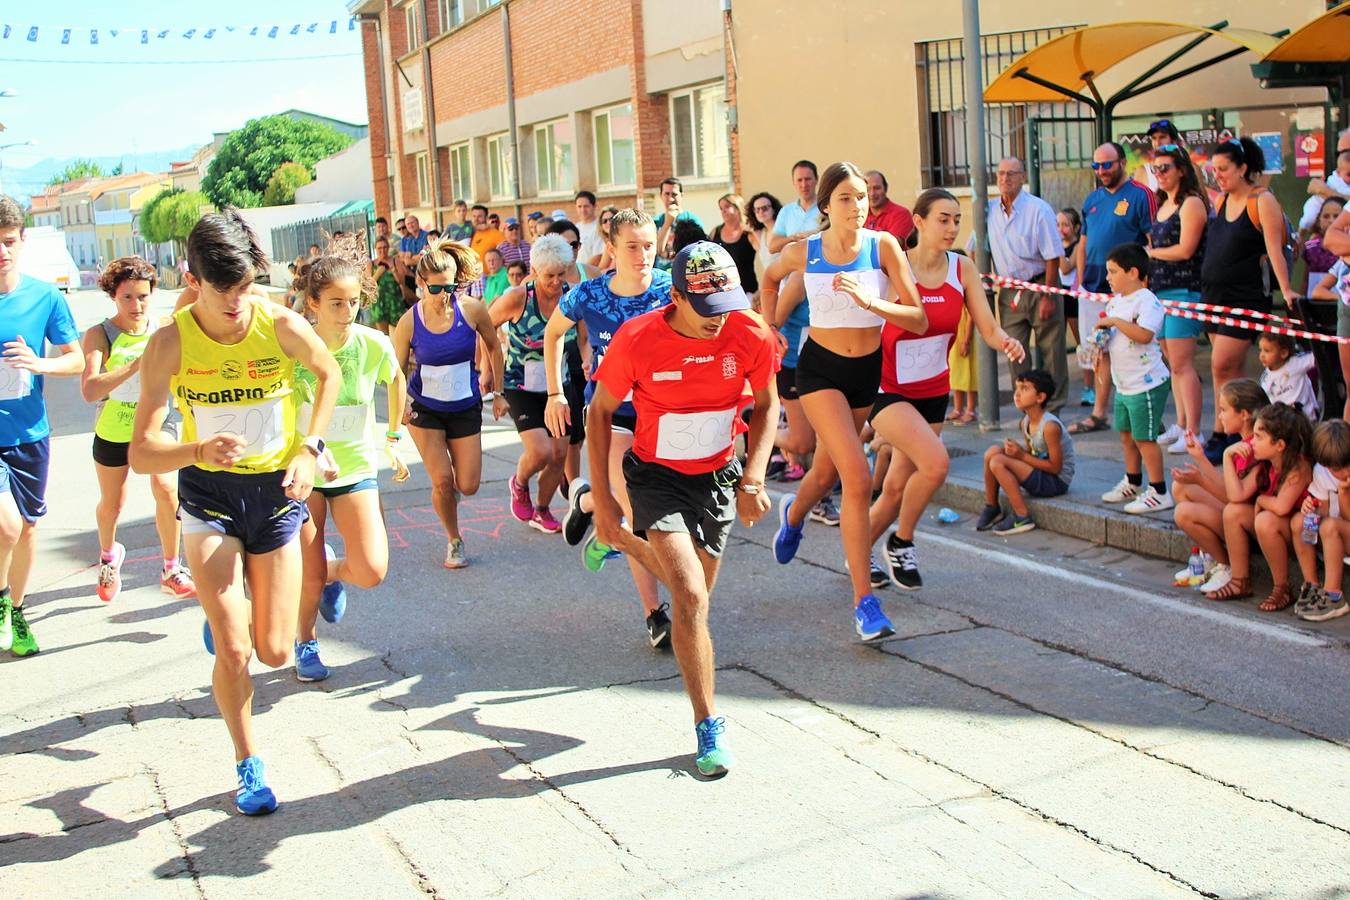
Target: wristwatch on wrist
(315, 444)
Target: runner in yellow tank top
(111, 378)
(243, 472)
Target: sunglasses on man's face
(1103, 166)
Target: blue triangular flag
(7, 32)
(332, 28)
(351, 24)
(32, 33)
(295, 29)
(187, 35)
(273, 32)
(253, 32)
(93, 35)
(312, 26)
(210, 33)
(163, 34)
(114, 31)
(145, 35)
(65, 35)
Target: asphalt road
(1048, 722)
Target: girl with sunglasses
(1178, 246)
(445, 418)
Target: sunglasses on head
(1103, 166)
(1160, 125)
(434, 289)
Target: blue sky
(81, 99)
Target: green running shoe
(24, 644)
(6, 629)
(594, 554)
(713, 760)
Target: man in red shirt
(687, 366)
(884, 215)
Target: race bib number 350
(261, 424)
(15, 384)
(447, 383)
(836, 309)
(696, 435)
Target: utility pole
(987, 359)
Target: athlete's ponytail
(458, 262)
(223, 251)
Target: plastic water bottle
(948, 516)
(1101, 337)
(1311, 521)
(1196, 564)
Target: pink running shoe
(543, 521)
(521, 506)
(178, 582)
(110, 574)
(793, 472)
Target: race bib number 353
(836, 309)
(697, 435)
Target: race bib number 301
(697, 435)
(15, 384)
(261, 424)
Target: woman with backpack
(1247, 232)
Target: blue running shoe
(308, 666)
(788, 538)
(254, 797)
(333, 603)
(870, 621)
(713, 760)
(207, 639)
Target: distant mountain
(22, 183)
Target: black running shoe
(989, 517)
(904, 564)
(658, 627)
(575, 522)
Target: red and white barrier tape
(1174, 308)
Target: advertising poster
(1199, 143)
(1272, 146)
(1310, 156)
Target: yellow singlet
(246, 388)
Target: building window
(499, 166)
(452, 14)
(412, 18)
(423, 179)
(1065, 129)
(461, 185)
(553, 157)
(615, 164)
(698, 132)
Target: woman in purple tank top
(445, 415)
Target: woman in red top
(915, 380)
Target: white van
(45, 257)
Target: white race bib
(258, 423)
(447, 383)
(697, 435)
(535, 379)
(920, 359)
(128, 391)
(836, 309)
(14, 383)
(348, 423)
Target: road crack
(183, 849)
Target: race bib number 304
(15, 384)
(697, 435)
(261, 424)
(836, 309)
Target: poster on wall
(1310, 156)
(1272, 147)
(1199, 144)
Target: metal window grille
(290, 241)
(1065, 129)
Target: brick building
(530, 101)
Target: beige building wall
(840, 83)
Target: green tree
(170, 215)
(80, 168)
(280, 190)
(239, 173)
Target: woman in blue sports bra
(848, 272)
(445, 415)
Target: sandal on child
(1237, 589)
(1088, 424)
(964, 419)
(1280, 598)
(952, 416)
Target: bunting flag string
(63, 35)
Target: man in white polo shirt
(1024, 241)
(800, 219)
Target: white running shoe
(1150, 501)
(1173, 434)
(1121, 492)
(1221, 575)
(1179, 447)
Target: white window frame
(499, 154)
(450, 22)
(461, 188)
(423, 167)
(608, 114)
(543, 163)
(413, 25)
(698, 172)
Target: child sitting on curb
(1143, 383)
(1043, 467)
(1329, 497)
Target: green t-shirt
(495, 285)
(366, 360)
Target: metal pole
(429, 97)
(511, 109)
(986, 358)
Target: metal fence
(290, 241)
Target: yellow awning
(1325, 39)
(1071, 59)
